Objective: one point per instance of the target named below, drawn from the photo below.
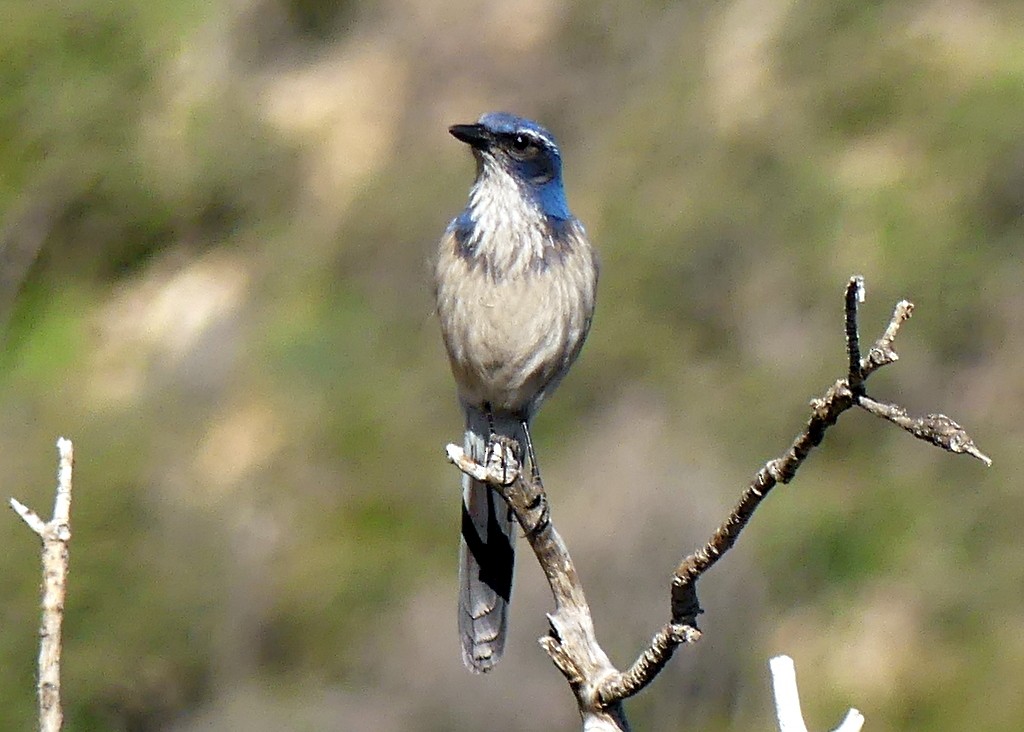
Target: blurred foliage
(216, 222)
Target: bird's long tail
(487, 550)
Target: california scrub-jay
(515, 282)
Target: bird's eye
(521, 143)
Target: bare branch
(937, 429)
(650, 663)
(882, 353)
(498, 472)
(825, 411)
(855, 295)
(29, 516)
(787, 700)
(572, 644)
(685, 605)
(55, 535)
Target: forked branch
(598, 686)
(787, 700)
(55, 535)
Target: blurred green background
(215, 223)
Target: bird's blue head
(512, 147)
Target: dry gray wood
(55, 535)
(572, 644)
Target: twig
(882, 353)
(855, 295)
(937, 429)
(841, 396)
(787, 700)
(55, 535)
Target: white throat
(509, 229)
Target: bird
(515, 281)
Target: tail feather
(486, 552)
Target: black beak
(476, 136)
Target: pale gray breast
(511, 338)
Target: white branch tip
(503, 468)
(853, 722)
(28, 516)
(787, 700)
